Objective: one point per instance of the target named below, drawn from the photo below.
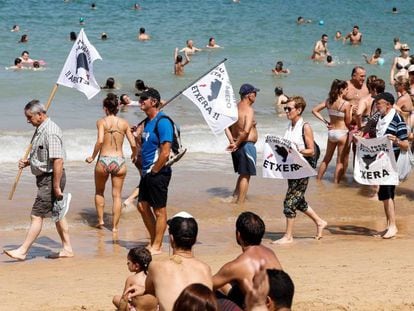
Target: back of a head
(142, 30)
(378, 85)
(140, 85)
(196, 297)
(110, 83)
(17, 61)
(281, 288)
(111, 103)
(337, 87)
(184, 232)
(72, 36)
(278, 90)
(251, 228)
(141, 256)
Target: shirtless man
(26, 60)
(320, 51)
(190, 48)
(242, 136)
(167, 278)
(250, 229)
(355, 37)
(142, 36)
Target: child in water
(138, 260)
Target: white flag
(282, 160)
(78, 69)
(214, 96)
(375, 162)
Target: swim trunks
(244, 159)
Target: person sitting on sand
(279, 70)
(142, 36)
(138, 260)
(231, 278)
(373, 60)
(168, 277)
(190, 48)
(179, 63)
(111, 161)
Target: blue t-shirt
(151, 143)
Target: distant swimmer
(279, 70)
(104, 36)
(301, 21)
(93, 6)
(374, 59)
(338, 35)
(142, 36)
(190, 48)
(136, 7)
(72, 36)
(15, 28)
(179, 63)
(320, 50)
(110, 84)
(26, 60)
(17, 65)
(394, 10)
(397, 43)
(355, 36)
(329, 61)
(24, 38)
(212, 44)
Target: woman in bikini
(111, 162)
(401, 63)
(404, 104)
(179, 63)
(340, 113)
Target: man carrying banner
(153, 187)
(46, 162)
(393, 126)
(242, 136)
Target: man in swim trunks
(168, 277)
(156, 138)
(46, 162)
(250, 229)
(320, 51)
(242, 136)
(355, 36)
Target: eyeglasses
(288, 109)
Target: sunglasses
(288, 109)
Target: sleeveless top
(294, 134)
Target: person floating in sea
(15, 28)
(375, 58)
(355, 36)
(142, 36)
(190, 48)
(212, 44)
(279, 70)
(24, 38)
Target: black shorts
(386, 192)
(244, 159)
(43, 203)
(153, 188)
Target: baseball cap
(150, 92)
(247, 88)
(385, 96)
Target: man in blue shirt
(156, 138)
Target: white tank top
(294, 134)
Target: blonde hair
(299, 102)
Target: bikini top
(337, 112)
(112, 131)
(399, 66)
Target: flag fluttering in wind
(78, 69)
(214, 96)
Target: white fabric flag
(282, 160)
(78, 69)
(375, 162)
(214, 96)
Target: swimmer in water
(190, 48)
(320, 50)
(142, 35)
(104, 36)
(355, 36)
(212, 44)
(15, 28)
(26, 60)
(373, 60)
(278, 70)
(24, 38)
(17, 65)
(179, 63)
(72, 36)
(329, 61)
(338, 35)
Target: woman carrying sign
(301, 134)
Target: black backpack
(177, 150)
(313, 160)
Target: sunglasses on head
(288, 109)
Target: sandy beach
(346, 270)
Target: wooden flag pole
(26, 155)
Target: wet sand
(346, 270)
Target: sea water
(253, 34)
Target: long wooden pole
(26, 155)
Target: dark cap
(150, 92)
(247, 88)
(385, 96)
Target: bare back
(166, 279)
(112, 131)
(246, 123)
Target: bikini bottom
(110, 164)
(335, 135)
